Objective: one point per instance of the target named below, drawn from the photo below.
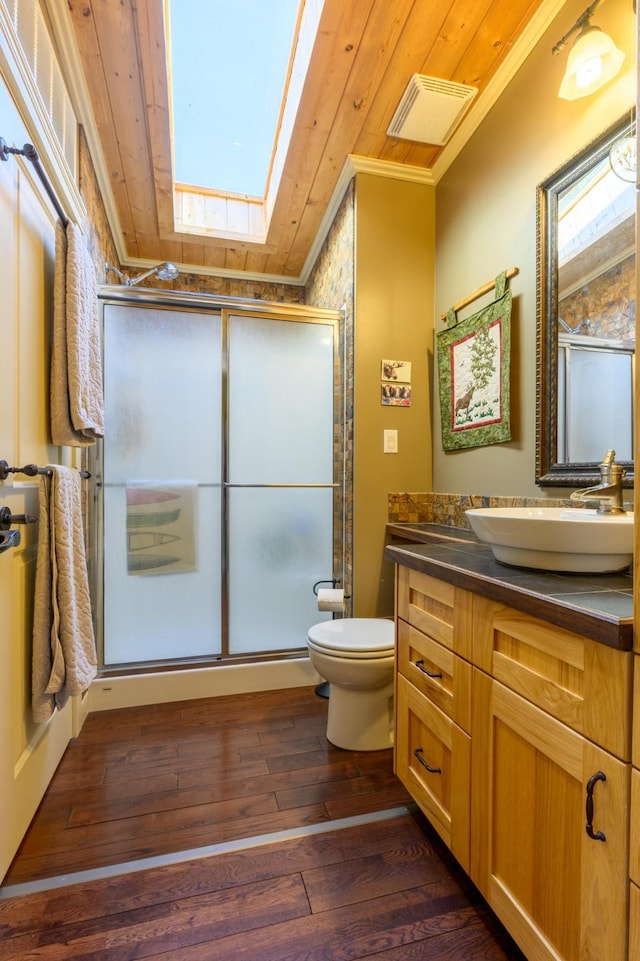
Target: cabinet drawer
(582, 683)
(436, 672)
(435, 608)
(433, 761)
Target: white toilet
(356, 656)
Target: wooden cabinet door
(634, 924)
(560, 893)
(433, 761)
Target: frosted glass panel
(162, 493)
(599, 388)
(280, 402)
(153, 615)
(280, 545)
(162, 394)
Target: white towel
(64, 658)
(77, 405)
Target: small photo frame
(398, 371)
(396, 395)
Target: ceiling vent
(430, 109)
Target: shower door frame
(223, 307)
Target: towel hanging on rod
(31, 470)
(31, 154)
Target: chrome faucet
(609, 491)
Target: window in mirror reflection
(595, 398)
(596, 316)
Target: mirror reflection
(586, 322)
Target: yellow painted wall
(486, 222)
(394, 251)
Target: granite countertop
(599, 606)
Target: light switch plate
(390, 445)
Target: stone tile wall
(449, 509)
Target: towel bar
(31, 470)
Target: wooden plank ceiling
(363, 58)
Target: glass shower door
(217, 492)
(279, 490)
(161, 484)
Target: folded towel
(64, 658)
(77, 406)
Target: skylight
(229, 66)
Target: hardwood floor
(152, 781)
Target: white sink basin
(556, 538)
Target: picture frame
(474, 376)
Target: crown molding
(391, 170)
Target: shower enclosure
(217, 477)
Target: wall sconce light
(593, 60)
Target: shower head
(164, 271)
(167, 271)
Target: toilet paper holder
(334, 581)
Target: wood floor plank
(168, 778)
(45, 864)
(198, 787)
(352, 932)
(374, 876)
(79, 903)
(174, 925)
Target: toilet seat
(353, 637)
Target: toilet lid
(353, 636)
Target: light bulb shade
(593, 60)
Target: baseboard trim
(134, 690)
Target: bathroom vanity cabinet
(513, 735)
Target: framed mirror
(586, 263)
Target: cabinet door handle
(432, 770)
(421, 667)
(591, 783)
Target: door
(29, 752)
(562, 892)
(279, 490)
(217, 481)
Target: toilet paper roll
(331, 600)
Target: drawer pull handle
(591, 783)
(432, 770)
(421, 667)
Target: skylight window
(228, 70)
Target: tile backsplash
(449, 509)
